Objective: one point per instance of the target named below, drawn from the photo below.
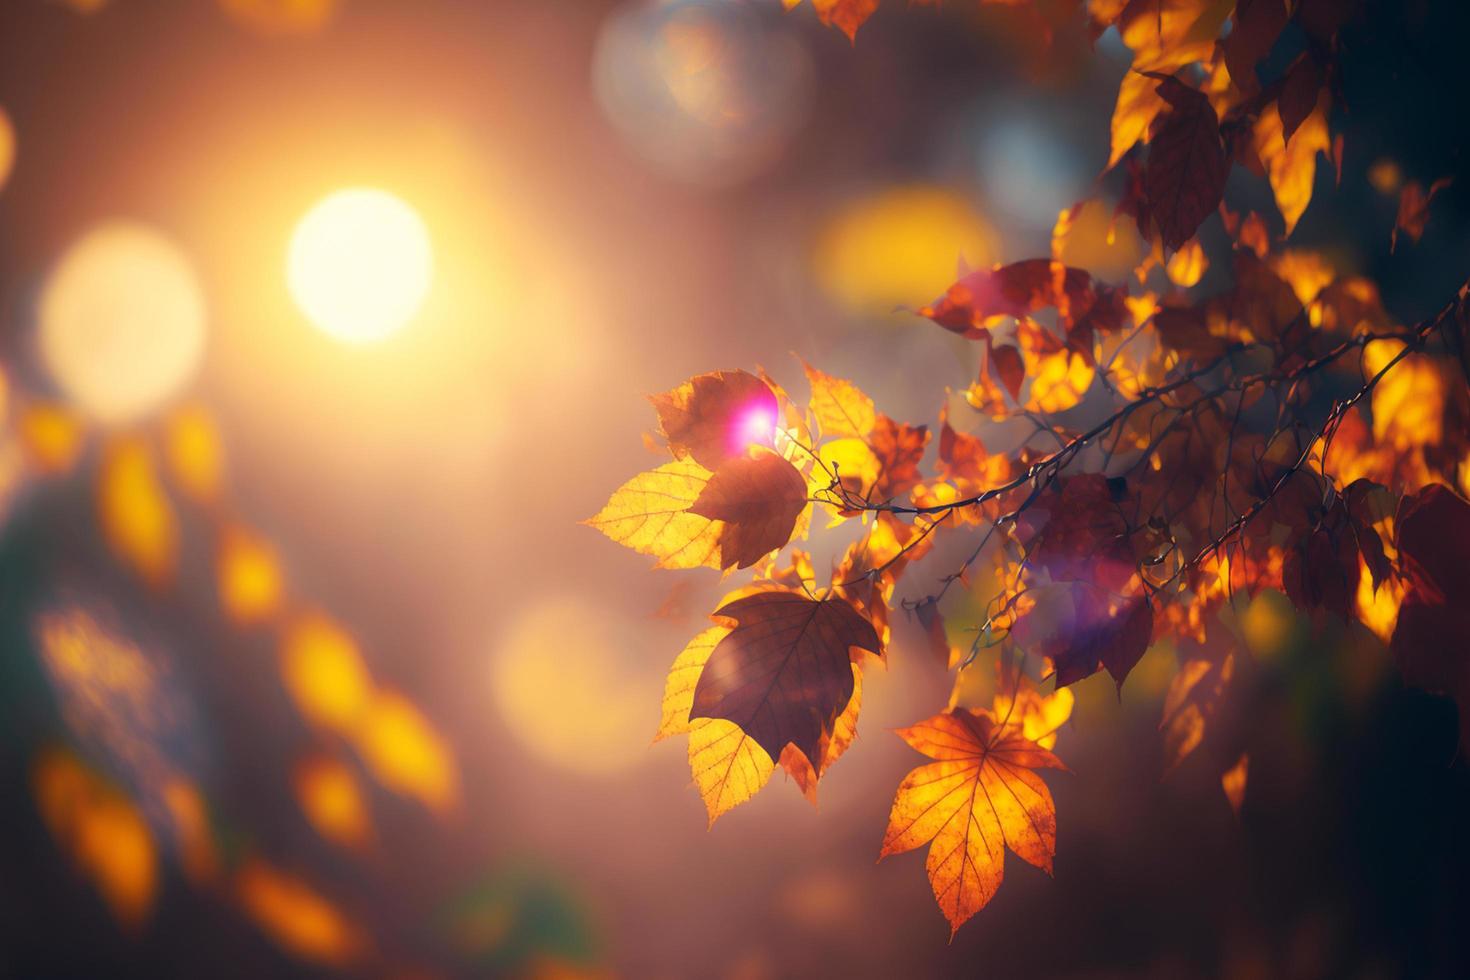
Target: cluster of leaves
(1171, 452)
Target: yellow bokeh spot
(102, 831)
(250, 581)
(324, 673)
(404, 752)
(899, 247)
(330, 796)
(1386, 177)
(360, 264)
(7, 147)
(1090, 237)
(195, 456)
(296, 916)
(52, 436)
(122, 322)
(1268, 625)
(561, 685)
(281, 16)
(135, 513)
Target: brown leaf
(1414, 209)
(759, 498)
(1187, 166)
(1258, 23)
(1429, 642)
(783, 673)
(717, 416)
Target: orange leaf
(980, 796)
(717, 416)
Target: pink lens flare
(755, 425)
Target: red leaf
(1429, 641)
(759, 499)
(1187, 166)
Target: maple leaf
(838, 406)
(759, 499)
(980, 796)
(1433, 534)
(806, 773)
(898, 449)
(1187, 166)
(727, 766)
(846, 15)
(783, 674)
(717, 416)
(650, 514)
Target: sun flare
(360, 264)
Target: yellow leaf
(839, 407)
(650, 514)
(683, 677)
(728, 766)
(1292, 167)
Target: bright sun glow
(360, 264)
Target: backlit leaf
(980, 796)
(783, 674)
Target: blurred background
(306, 667)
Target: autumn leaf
(650, 514)
(717, 416)
(804, 772)
(728, 766)
(1433, 532)
(845, 15)
(758, 498)
(782, 674)
(1258, 23)
(1414, 210)
(838, 406)
(1187, 166)
(980, 796)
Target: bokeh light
(709, 92)
(281, 16)
(122, 321)
(360, 264)
(7, 147)
(560, 681)
(899, 247)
